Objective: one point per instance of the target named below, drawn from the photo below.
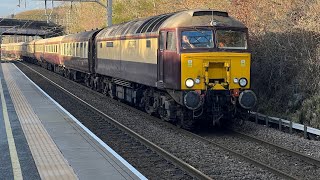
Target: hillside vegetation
(284, 36)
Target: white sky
(8, 7)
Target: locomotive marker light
(243, 82)
(236, 80)
(189, 83)
(197, 80)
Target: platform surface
(41, 140)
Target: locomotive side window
(171, 41)
(227, 39)
(109, 44)
(148, 43)
(197, 39)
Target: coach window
(74, 49)
(78, 50)
(68, 49)
(86, 50)
(81, 49)
(171, 41)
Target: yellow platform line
(17, 174)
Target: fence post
(280, 124)
(305, 131)
(256, 117)
(267, 121)
(290, 127)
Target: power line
(108, 7)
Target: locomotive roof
(187, 18)
(200, 17)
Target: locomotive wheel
(112, 91)
(149, 105)
(87, 80)
(186, 121)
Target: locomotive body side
(132, 58)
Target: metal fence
(286, 123)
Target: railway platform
(39, 139)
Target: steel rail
(304, 157)
(170, 157)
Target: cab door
(169, 66)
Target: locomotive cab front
(215, 63)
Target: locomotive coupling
(247, 99)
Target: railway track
(215, 160)
(282, 161)
(306, 158)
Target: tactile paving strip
(50, 162)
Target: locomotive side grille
(121, 82)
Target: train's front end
(215, 70)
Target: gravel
(211, 160)
(268, 155)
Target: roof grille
(215, 13)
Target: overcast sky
(8, 7)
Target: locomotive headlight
(189, 83)
(243, 82)
(236, 80)
(197, 81)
